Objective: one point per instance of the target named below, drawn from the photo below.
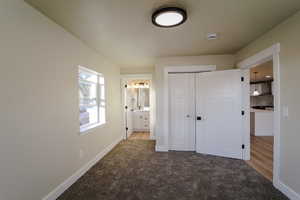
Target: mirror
(143, 98)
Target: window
(91, 99)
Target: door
(218, 110)
(182, 112)
(128, 112)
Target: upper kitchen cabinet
(261, 78)
(262, 88)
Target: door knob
(199, 118)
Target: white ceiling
(122, 30)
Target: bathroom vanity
(141, 121)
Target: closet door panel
(182, 112)
(218, 106)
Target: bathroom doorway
(137, 102)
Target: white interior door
(219, 103)
(182, 112)
(128, 114)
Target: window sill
(88, 129)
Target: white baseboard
(289, 192)
(161, 148)
(72, 179)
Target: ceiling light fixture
(255, 93)
(169, 17)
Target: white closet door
(218, 103)
(182, 112)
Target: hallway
(132, 170)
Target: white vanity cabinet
(141, 121)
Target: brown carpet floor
(133, 171)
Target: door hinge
(243, 146)
(243, 112)
(242, 79)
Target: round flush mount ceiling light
(169, 17)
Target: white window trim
(87, 128)
(90, 127)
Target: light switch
(285, 111)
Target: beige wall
(222, 62)
(137, 70)
(287, 34)
(39, 140)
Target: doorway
(137, 102)
(269, 54)
(205, 113)
(261, 118)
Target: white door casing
(219, 103)
(162, 85)
(182, 111)
(271, 53)
(124, 80)
(128, 113)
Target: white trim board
(165, 111)
(190, 68)
(290, 193)
(136, 76)
(53, 195)
(161, 148)
(271, 53)
(259, 58)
